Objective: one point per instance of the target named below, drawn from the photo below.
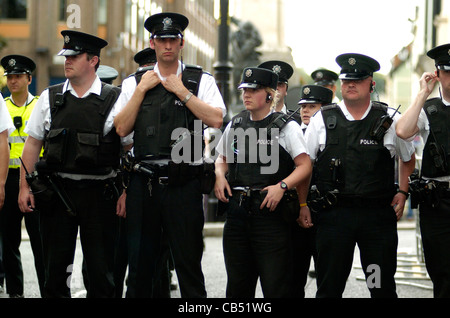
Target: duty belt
(361, 201)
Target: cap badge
(167, 22)
(12, 62)
(66, 39)
(352, 61)
(306, 91)
(319, 75)
(248, 73)
(276, 69)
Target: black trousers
(435, 232)
(11, 226)
(304, 250)
(176, 210)
(98, 224)
(257, 246)
(375, 232)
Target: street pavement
(411, 277)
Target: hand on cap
(428, 82)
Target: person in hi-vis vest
(18, 70)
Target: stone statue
(244, 42)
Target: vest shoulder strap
(192, 74)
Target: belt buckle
(163, 180)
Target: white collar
(156, 69)
(96, 88)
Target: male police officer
(429, 118)
(161, 100)
(284, 72)
(354, 153)
(18, 70)
(6, 127)
(326, 78)
(81, 156)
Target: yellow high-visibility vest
(18, 137)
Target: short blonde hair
(275, 97)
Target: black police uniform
(364, 180)
(11, 216)
(75, 145)
(256, 243)
(305, 238)
(170, 198)
(435, 199)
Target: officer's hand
(220, 187)
(26, 201)
(428, 82)
(174, 84)
(273, 197)
(398, 203)
(121, 205)
(149, 80)
(2, 197)
(304, 220)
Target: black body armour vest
(366, 166)
(436, 153)
(160, 114)
(75, 141)
(248, 173)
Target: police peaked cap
(18, 64)
(166, 24)
(314, 94)
(254, 77)
(146, 56)
(284, 70)
(441, 56)
(356, 66)
(324, 77)
(76, 42)
(107, 74)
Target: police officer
(427, 117)
(6, 127)
(107, 74)
(354, 152)
(81, 155)
(18, 70)
(326, 78)
(169, 198)
(312, 99)
(256, 239)
(145, 57)
(284, 72)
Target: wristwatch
(406, 194)
(283, 185)
(187, 98)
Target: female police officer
(256, 239)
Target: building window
(62, 10)
(13, 9)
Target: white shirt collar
(347, 113)
(96, 88)
(156, 69)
